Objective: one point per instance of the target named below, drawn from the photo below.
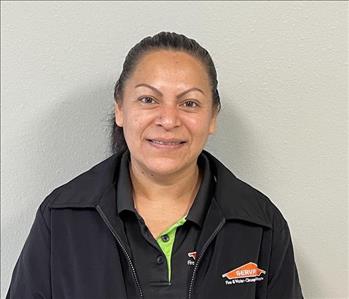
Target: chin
(164, 166)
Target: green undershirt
(166, 246)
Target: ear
(213, 123)
(119, 115)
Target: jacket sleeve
(283, 275)
(31, 276)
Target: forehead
(168, 65)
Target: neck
(177, 190)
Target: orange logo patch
(248, 270)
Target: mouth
(166, 143)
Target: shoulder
(260, 205)
(241, 201)
(85, 189)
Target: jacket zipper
(207, 243)
(123, 249)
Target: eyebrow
(160, 93)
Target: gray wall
(282, 70)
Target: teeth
(165, 143)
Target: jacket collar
(236, 199)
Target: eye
(190, 104)
(147, 100)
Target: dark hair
(166, 41)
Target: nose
(168, 117)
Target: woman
(161, 218)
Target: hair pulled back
(161, 41)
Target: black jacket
(77, 248)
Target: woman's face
(166, 112)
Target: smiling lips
(166, 143)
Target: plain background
(282, 71)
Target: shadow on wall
(78, 130)
(234, 143)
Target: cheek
(134, 125)
(198, 126)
